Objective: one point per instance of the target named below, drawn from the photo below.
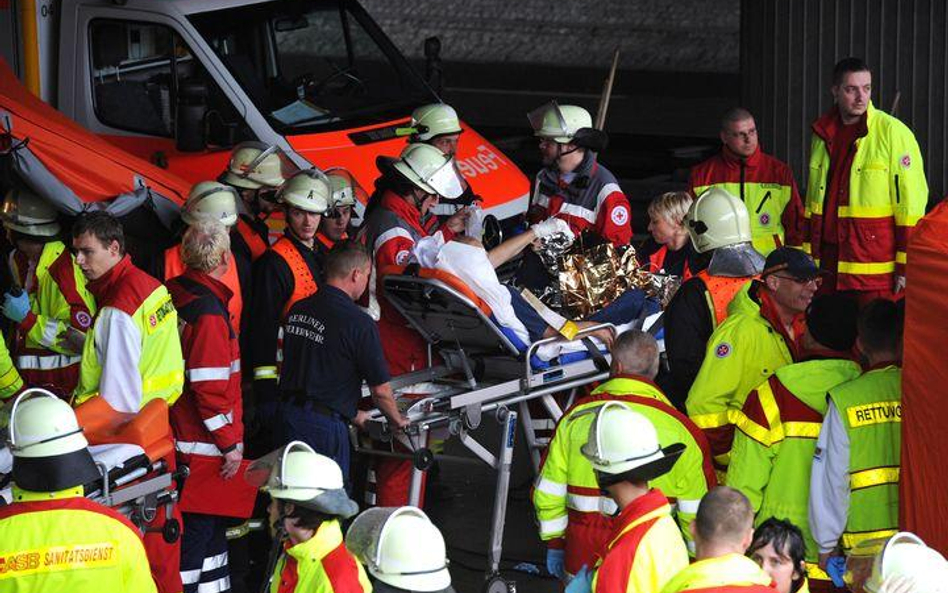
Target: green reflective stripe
(868, 478)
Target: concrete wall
(654, 35)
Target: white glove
(550, 227)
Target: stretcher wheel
(423, 459)
(171, 531)
(498, 584)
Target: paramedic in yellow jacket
(307, 506)
(645, 548)
(52, 538)
(50, 304)
(758, 337)
(574, 515)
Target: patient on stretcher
(467, 259)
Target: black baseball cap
(791, 261)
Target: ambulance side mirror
(189, 128)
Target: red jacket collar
(406, 211)
(768, 310)
(733, 160)
(830, 123)
(217, 288)
(102, 286)
(643, 505)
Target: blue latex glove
(15, 308)
(836, 568)
(581, 583)
(556, 562)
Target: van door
(136, 65)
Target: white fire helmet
(559, 122)
(210, 200)
(430, 170)
(401, 548)
(254, 165)
(30, 214)
(717, 219)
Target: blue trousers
(204, 553)
(327, 434)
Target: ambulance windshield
(313, 64)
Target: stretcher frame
(483, 372)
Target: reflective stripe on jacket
(210, 411)
(591, 200)
(60, 541)
(741, 353)
(567, 499)
(147, 302)
(322, 564)
(871, 410)
(776, 438)
(886, 197)
(765, 185)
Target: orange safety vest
(656, 262)
(720, 291)
(304, 284)
(174, 267)
(254, 241)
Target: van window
(313, 64)
(137, 68)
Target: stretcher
(483, 374)
(135, 457)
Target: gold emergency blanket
(590, 279)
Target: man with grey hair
(723, 530)
(764, 183)
(207, 419)
(567, 498)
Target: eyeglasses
(818, 280)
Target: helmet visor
(364, 534)
(258, 473)
(445, 181)
(547, 121)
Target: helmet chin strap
(276, 548)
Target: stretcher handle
(536, 345)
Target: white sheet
(472, 266)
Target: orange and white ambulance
(179, 82)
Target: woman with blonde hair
(669, 251)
